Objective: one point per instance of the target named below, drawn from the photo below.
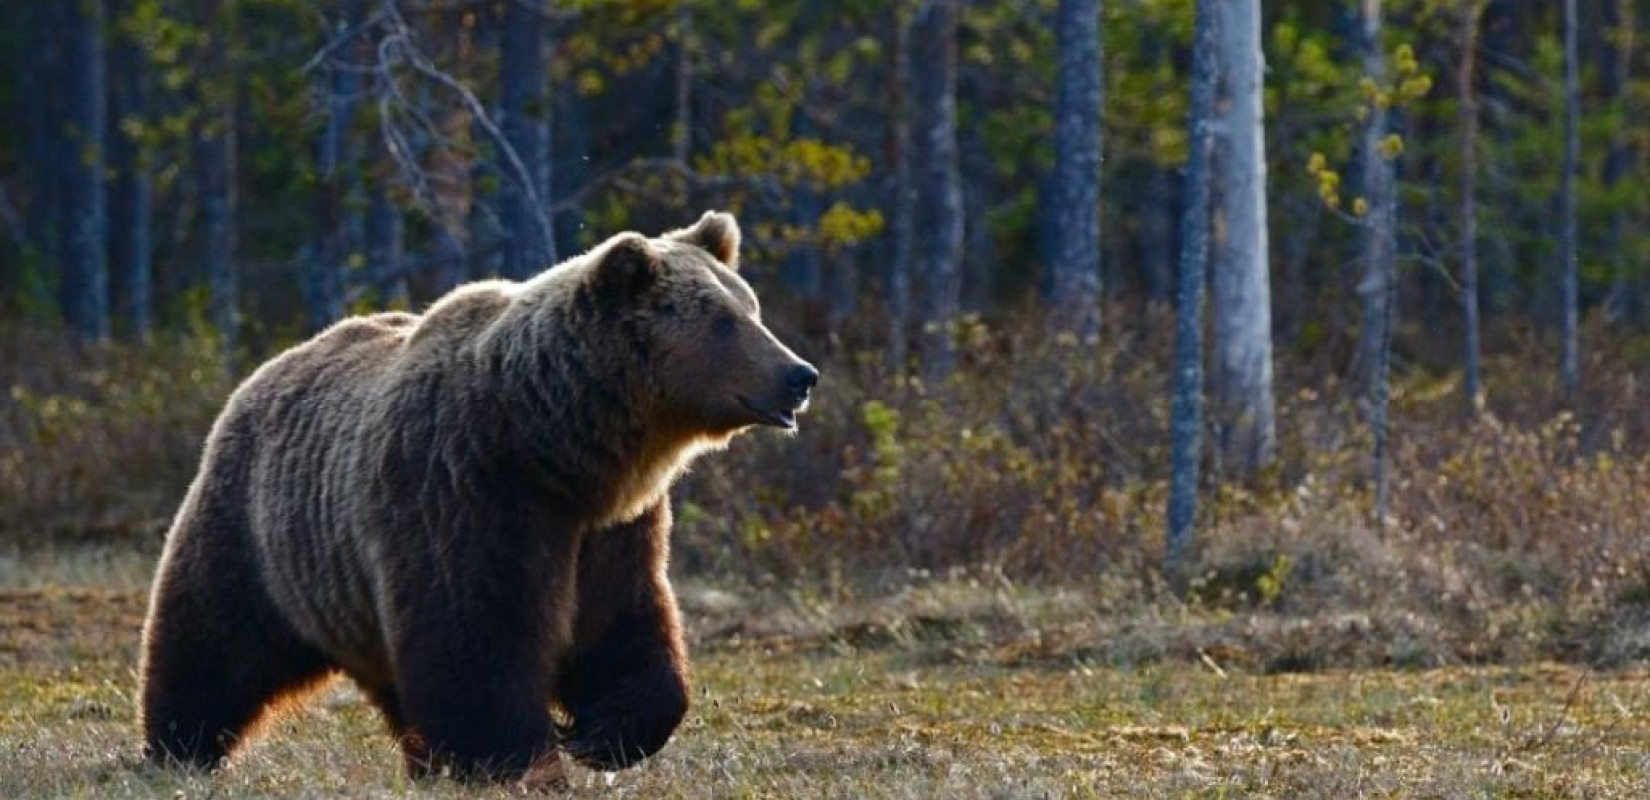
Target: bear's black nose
(801, 379)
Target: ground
(904, 708)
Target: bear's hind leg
(414, 754)
(216, 656)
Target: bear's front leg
(472, 706)
(625, 683)
(474, 667)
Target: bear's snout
(779, 402)
(801, 379)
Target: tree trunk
(976, 283)
(1378, 288)
(901, 191)
(841, 290)
(454, 260)
(1616, 71)
(1376, 175)
(1076, 261)
(216, 153)
(1570, 361)
(1305, 216)
(1467, 112)
(572, 158)
(529, 245)
(1187, 404)
(681, 139)
(43, 125)
(803, 269)
(84, 290)
(1158, 236)
(938, 230)
(132, 196)
(337, 162)
(484, 237)
(385, 233)
(1240, 253)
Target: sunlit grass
(924, 697)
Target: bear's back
(296, 427)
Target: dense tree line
(1363, 184)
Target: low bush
(1520, 532)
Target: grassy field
(922, 698)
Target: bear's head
(714, 368)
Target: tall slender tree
(1240, 257)
(901, 196)
(215, 170)
(681, 138)
(804, 267)
(337, 160)
(385, 234)
(1569, 364)
(1187, 403)
(1076, 196)
(1616, 72)
(529, 243)
(84, 286)
(132, 195)
(1467, 115)
(42, 127)
(1158, 231)
(1378, 288)
(937, 238)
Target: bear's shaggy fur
(466, 513)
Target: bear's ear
(717, 233)
(626, 266)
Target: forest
(1218, 398)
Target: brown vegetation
(1524, 534)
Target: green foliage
(1270, 584)
(877, 495)
(789, 162)
(1406, 85)
(790, 111)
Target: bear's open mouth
(781, 419)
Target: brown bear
(465, 511)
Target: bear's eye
(723, 327)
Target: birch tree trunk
(1467, 113)
(1240, 254)
(1077, 108)
(84, 287)
(1569, 364)
(1378, 287)
(901, 198)
(938, 217)
(1187, 404)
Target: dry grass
(951, 591)
(935, 693)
